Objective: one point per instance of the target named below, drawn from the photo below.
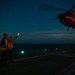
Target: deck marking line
(30, 57)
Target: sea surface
(41, 47)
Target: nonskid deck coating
(42, 64)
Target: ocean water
(41, 47)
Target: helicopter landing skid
(68, 29)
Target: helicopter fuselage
(66, 20)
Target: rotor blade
(73, 7)
(50, 7)
(55, 18)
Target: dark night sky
(35, 26)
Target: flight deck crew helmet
(5, 34)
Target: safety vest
(10, 45)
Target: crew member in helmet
(4, 43)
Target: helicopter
(67, 18)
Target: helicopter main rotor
(49, 7)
